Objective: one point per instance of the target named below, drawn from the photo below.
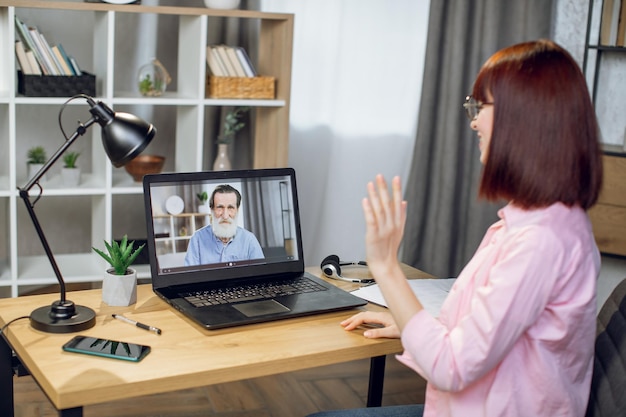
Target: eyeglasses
(473, 107)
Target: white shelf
(27, 121)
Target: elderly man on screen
(223, 240)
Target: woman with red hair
(515, 336)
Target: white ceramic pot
(70, 176)
(119, 290)
(221, 4)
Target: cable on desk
(11, 321)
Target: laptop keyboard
(252, 292)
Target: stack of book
(229, 61)
(38, 57)
(232, 75)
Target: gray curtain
(445, 220)
(263, 215)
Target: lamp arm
(30, 206)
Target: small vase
(119, 290)
(222, 163)
(221, 4)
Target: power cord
(14, 320)
(18, 368)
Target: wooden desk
(184, 356)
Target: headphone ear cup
(331, 268)
(330, 258)
(328, 261)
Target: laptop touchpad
(261, 308)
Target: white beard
(224, 229)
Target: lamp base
(63, 317)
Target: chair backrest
(608, 384)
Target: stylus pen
(136, 323)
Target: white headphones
(331, 267)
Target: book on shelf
(66, 58)
(20, 53)
(34, 65)
(245, 62)
(609, 23)
(234, 60)
(43, 52)
(61, 61)
(621, 28)
(48, 49)
(230, 70)
(214, 62)
(75, 66)
(229, 61)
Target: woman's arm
(385, 217)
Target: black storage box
(56, 85)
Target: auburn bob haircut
(545, 145)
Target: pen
(136, 323)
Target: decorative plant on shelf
(149, 88)
(120, 255)
(232, 125)
(203, 197)
(119, 286)
(37, 155)
(69, 159)
(70, 172)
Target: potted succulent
(203, 197)
(232, 125)
(36, 158)
(119, 286)
(70, 173)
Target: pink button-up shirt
(515, 336)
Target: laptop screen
(211, 226)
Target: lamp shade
(125, 136)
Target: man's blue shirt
(206, 248)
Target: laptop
(256, 276)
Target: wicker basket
(55, 85)
(241, 87)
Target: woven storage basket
(241, 87)
(55, 85)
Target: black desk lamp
(124, 136)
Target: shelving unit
(181, 227)
(93, 208)
(603, 66)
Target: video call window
(265, 211)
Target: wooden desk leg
(6, 379)
(71, 412)
(377, 378)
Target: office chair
(608, 384)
